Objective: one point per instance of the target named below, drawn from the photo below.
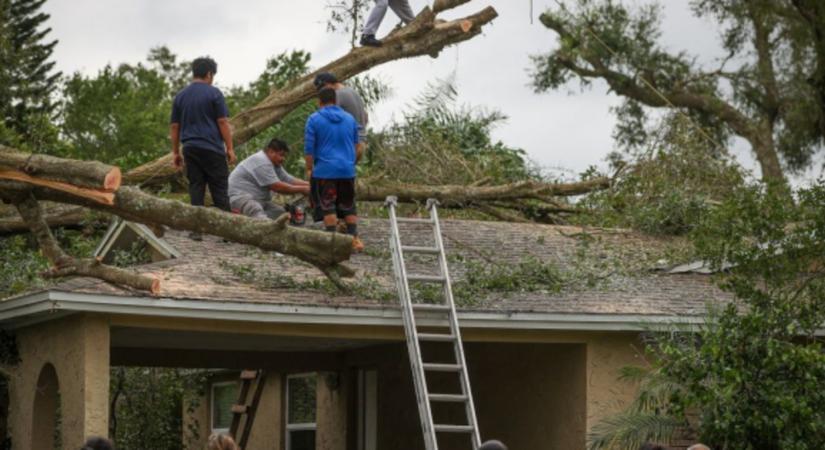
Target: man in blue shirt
(200, 123)
(330, 142)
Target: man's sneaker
(195, 236)
(357, 245)
(368, 40)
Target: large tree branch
(323, 250)
(461, 195)
(759, 134)
(421, 37)
(67, 265)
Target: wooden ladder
(242, 408)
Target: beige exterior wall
(266, 430)
(537, 396)
(607, 354)
(78, 349)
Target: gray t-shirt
(351, 102)
(254, 176)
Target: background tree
(27, 76)
(761, 92)
(751, 377)
(348, 16)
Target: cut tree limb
(55, 214)
(104, 198)
(66, 265)
(459, 194)
(423, 36)
(85, 174)
(324, 250)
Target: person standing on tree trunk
(400, 7)
(200, 123)
(330, 140)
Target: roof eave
(48, 305)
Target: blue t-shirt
(197, 109)
(330, 138)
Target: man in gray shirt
(349, 100)
(253, 180)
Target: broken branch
(66, 265)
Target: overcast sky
(568, 130)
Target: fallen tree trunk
(423, 36)
(91, 175)
(323, 250)
(66, 265)
(55, 215)
(457, 194)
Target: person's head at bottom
(493, 445)
(698, 447)
(651, 446)
(98, 443)
(221, 442)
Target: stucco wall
(531, 395)
(78, 349)
(607, 354)
(268, 427)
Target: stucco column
(331, 411)
(77, 348)
(607, 354)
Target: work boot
(369, 40)
(195, 236)
(357, 245)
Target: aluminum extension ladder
(446, 310)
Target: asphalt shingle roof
(605, 271)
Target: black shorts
(333, 197)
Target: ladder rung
(447, 398)
(249, 374)
(442, 367)
(239, 409)
(435, 337)
(427, 278)
(430, 307)
(413, 220)
(454, 428)
(426, 250)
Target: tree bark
(324, 250)
(66, 265)
(457, 194)
(55, 214)
(423, 36)
(84, 174)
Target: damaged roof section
(551, 269)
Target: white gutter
(49, 305)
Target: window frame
(288, 427)
(212, 404)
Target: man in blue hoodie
(330, 148)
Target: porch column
(69, 358)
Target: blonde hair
(221, 442)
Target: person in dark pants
(330, 140)
(200, 124)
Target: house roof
(607, 274)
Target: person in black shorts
(200, 123)
(330, 142)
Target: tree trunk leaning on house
(425, 35)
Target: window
(224, 395)
(301, 410)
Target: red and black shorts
(333, 197)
